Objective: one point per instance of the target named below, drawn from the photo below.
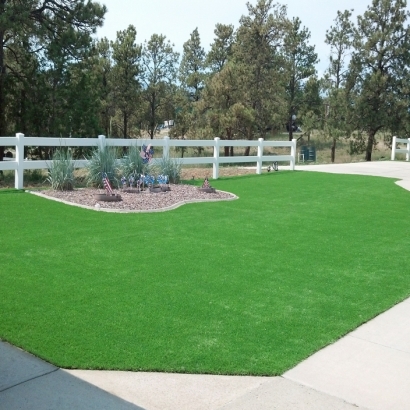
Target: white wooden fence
(19, 164)
(395, 150)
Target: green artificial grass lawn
(251, 286)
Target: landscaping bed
(143, 201)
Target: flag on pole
(107, 184)
(147, 153)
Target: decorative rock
(209, 190)
(155, 190)
(132, 190)
(178, 194)
(108, 198)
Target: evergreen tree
(221, 48)
(256, 55)
(300, 60)
(126, 56)
(192, 67)
(378, 83)
(221, 107)
(159, 69)
(36, 24)
(339, 37)
(103, 73)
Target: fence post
(293, 154)
(216, 159)
(260, 155)
(101, 141)
(393, 148)
(165, 151)
(19, 172)
(408, 149)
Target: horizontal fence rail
(19, 164)
(395, 150)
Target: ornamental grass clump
(61, 170)
(171, 167)
(132, 165)
(101, 162)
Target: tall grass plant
(102, 161)
(171, 167)
(131, 165)
(61, 170)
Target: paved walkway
(367, 369)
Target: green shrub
(132, 164)
(61, 170)
(171, 167)
(102, 161)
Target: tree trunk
(228, 137)
(290, 128)
(231, 152)
(152, 130)
(333, 151)
(370, 142)
(125, 124)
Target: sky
(178, 18)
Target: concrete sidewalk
(367, 369)
(28, 383)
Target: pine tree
(159, 70)
(67, 24)
(299, 59)
(192, 67)
(256, 55)
(126, 56)
(339, 38)
(378, 82)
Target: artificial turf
(251, 286)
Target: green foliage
(132, 164)
(221, 48)
(256, 55)
(102, 161)
(192, 68)
(299, 60)
(171, 167)
(61, 170)
(339, 38)
(39, 43)
(159, 70)
(34, 175)
(378, 83)
(126, 55)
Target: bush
(102, 161)
(61, 170)
(171, 167)
(132, 164)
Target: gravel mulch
(136, 202)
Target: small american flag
(107, 185)
(206, 183)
